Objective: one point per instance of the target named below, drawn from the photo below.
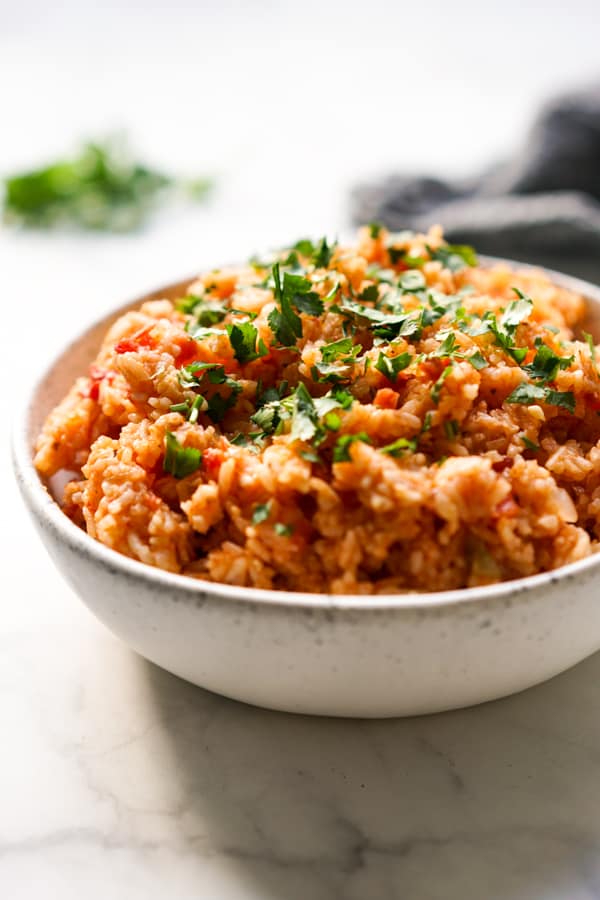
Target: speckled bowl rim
(43, 506)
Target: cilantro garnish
(342, 447)
(374, 229)
(323, 253)
(305, 421)
(437, 387)
(336, 357)
(398, 254)
(205, 311)
(529, 444)
(447, 347)
(399, 446)
(293, 293)
(390, 366)
(332, 351)
(283, 530)
(454, 256)
(451, 429)
(189, 410)
(243, 339)
(546, 363)
(261, 513)
(217, 405)
(180, 461)
(370, 294)
(504, 329)
(285, 324)
(477, 360)
(526, 393)
(564, 399)
(412, 281)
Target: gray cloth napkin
(542, 206)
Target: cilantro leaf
(565, 399)
(454, 256)
(529, 444)
(390, 366)
(447, 347)
(243, 340)
(399, 446)
(437, 387)
(283, 530)
(323, 253)
(305, 420)
(370, 294)
(477, 360)
(546, 364)
(341, 450)
(526, 393)
(180, 461)
(283, 322)
(205, 311)
(332, 351)
(412, 281)
(261, 513)
(374, 229)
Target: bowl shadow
(500, 801)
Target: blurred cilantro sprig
(101, 189)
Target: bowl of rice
(345, 479)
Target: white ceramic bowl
(309, 653)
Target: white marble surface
(117, 780)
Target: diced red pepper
(386, 398)
(212, 459)
(142, 338)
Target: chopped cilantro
(180, 461)
(451, 429)
(564, 399)
(530, 393)
(546, 363)
(305, 421)
(390, 366)
(454, 256)
(526, 393)
(399, 446)
(342, 397)
(504, 329)
(370, 294)
(332, 421)
(305, 247)
(437, 387)
(323, 253)
(261, 513)
(477, 360)
(341, 449)
(311, 456)
(530, 445)
(447, 347)
(412, 281)
(375, 229)
(189, 410)
(283, 530)
(285, 324)
(332, 351)
(205, 312)
(243, 339)
(293, 293)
